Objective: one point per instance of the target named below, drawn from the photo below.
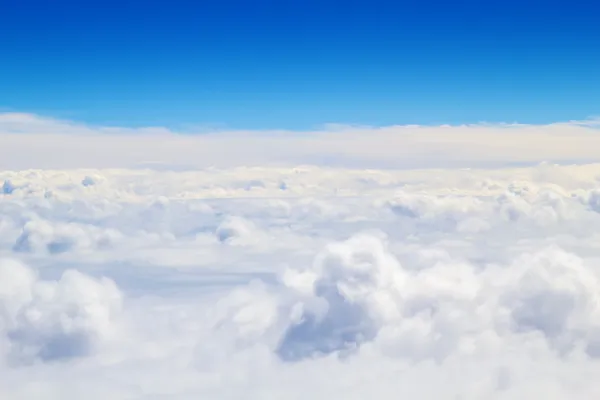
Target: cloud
(55, 320)
(233, 228)
(41, 236)
(224, 283)
(357, 285)
(31, 141)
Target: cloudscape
(299, 200)
(312, 279)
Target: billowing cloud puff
(42, 236)
(235, 228)
(55, 320)
(355, 288)
(357, 292)
(555, 294)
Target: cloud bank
(251, 280)
(31, 141)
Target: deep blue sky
(299, 64)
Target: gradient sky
(300, 64)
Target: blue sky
(300, 64)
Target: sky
(386, 200)
(298, 65)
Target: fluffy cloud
(54, 320)
(41, 236)
(356, 288)
(272, 282)
(233, 228)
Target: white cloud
(233, 228)
(54, 320)
(31, 141)
(265, 282)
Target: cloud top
(263, 282)
(31, 141)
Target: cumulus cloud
(358, 305)
(54, 320)
(233, 228)
(357, 292)
(42, 236)
(357, 286)
(224, 283)
(554, 293)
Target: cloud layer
(264, 282)
(31, 141)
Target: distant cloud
(31, 141)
